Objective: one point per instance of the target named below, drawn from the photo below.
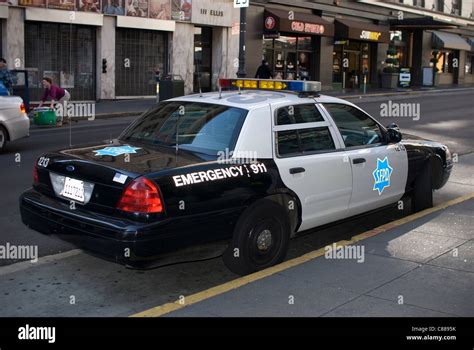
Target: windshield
(199, 127)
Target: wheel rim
(2, 138)
(264, 241)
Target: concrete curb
(349, 97)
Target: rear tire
(423, 190)
(3, 138)
(261, 239)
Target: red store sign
(303, 27)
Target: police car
(253, 166)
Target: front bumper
(137, 245)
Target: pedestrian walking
(56, 94)
(263, 72)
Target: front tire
(423, 190)
(261, 239)
(3, 138)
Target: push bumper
(137, 245)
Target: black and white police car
(254, 167)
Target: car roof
(252, 99)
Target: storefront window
(139, 55)
(63, 52)
(289, 57)
(445, 62)
(469, 67)
(304, 43)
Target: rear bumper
(18, 127)
(138, 245)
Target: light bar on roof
(268, 84)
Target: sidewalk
(119, 108)
(423, 268)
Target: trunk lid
(105, 170)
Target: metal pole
(243, 24)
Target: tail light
(141, 196)
(22, 108)
(35, 174)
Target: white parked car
(14, 122)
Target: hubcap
(2, 138)
(264, 240)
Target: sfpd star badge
(116, 151)
(382, 175)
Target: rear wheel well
(6, 132)
(292, 207)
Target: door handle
(358, 161)
(297, 170)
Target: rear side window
(199, 127)
(304, 141)
(298, 114)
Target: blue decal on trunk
(116, 151)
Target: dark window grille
(139, 54)
(59, 50)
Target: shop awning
(420, 23)
(277, 21)
(3, 11)
(442, 40)
(347, 29)
(471, 42)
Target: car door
(379, 169)
(311, 162)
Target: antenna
(240, 92)
(220, 91)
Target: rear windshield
(198, 127)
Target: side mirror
(394, 135)
(393, 126)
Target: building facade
(112, 49)
(363, 42)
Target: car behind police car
(14, 122)
(255, 167)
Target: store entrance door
(202, 59)
(353, 70)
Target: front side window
(198, 127)
(356, 127)
(304, 141)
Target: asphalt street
(100, 288)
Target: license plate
(73, 189)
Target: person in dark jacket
(263, 72)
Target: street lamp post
(243, 25)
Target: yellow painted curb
(242, 281)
